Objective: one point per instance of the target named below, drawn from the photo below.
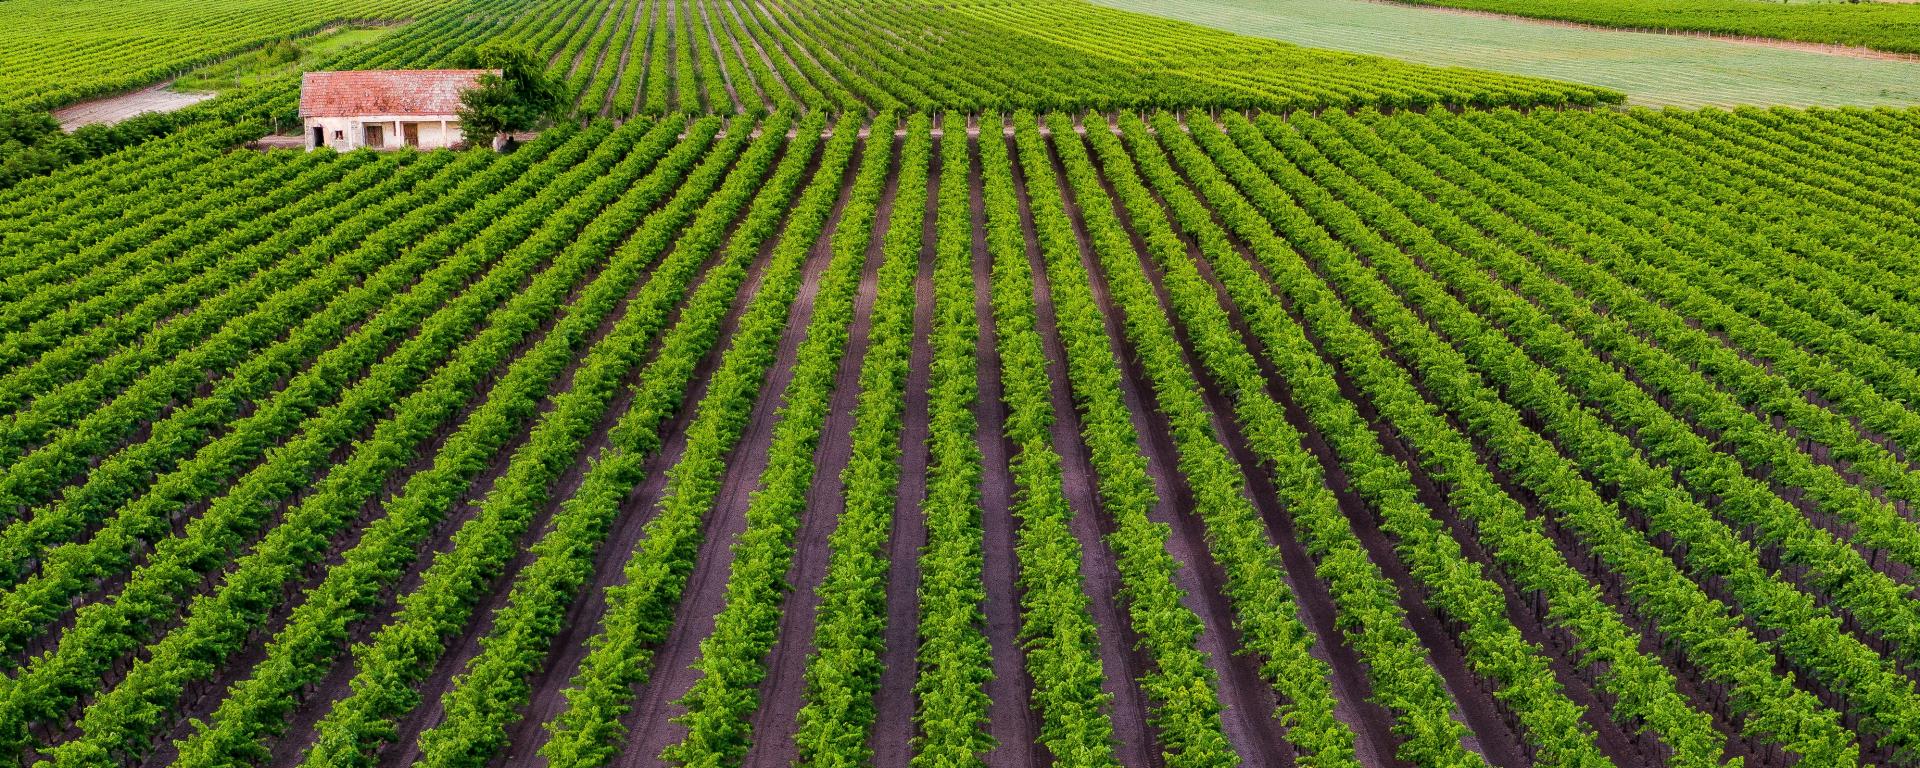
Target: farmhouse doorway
(410, 133)
(376, 136)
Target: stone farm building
(384, 109)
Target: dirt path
(646, 59)
(670, 47)
(705, 593)
(609, 568)
(626, 60)
(740, 24)
(1244, 710)
(1375, 742)
(600, 59)
(1248, 701)
(720, 59)
(1011, 718)
(585, 616)
(783, 690)
(1122, 661)
(1489, 733)
(405, 749)
(108, 110)
(1829, 49)
(587, 41)
(893, 727)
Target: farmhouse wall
(349, 132)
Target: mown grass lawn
(1653, 69)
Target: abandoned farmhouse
(384, 109)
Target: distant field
(1653, 69)
(1888, 26)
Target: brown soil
(1490, 732)
(246, 407)
(318, 701)
(333, 687)
(404, 749)
(754, 42)
(1527, 614)
(1011, 718)
(1249, 702)
(705, 591)
(713, 41)
(1706, 697)
(197, 698)
(1122, 661)
(1375, 742)
(646, 58)
(200, 697)
(1709, 696)
(625, 70)
(895, 698)
(783, 691)
(586, 614)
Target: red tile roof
(385, 92)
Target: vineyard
(903, 383)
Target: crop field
(946, 384)
(1653, 69)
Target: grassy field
(1889, 26)
(1653, 69)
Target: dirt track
(1012, 721)
(893, 727)
(1120, 654)
(112, 109)
(1248, 702)
(781, 692)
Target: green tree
(516, 96)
